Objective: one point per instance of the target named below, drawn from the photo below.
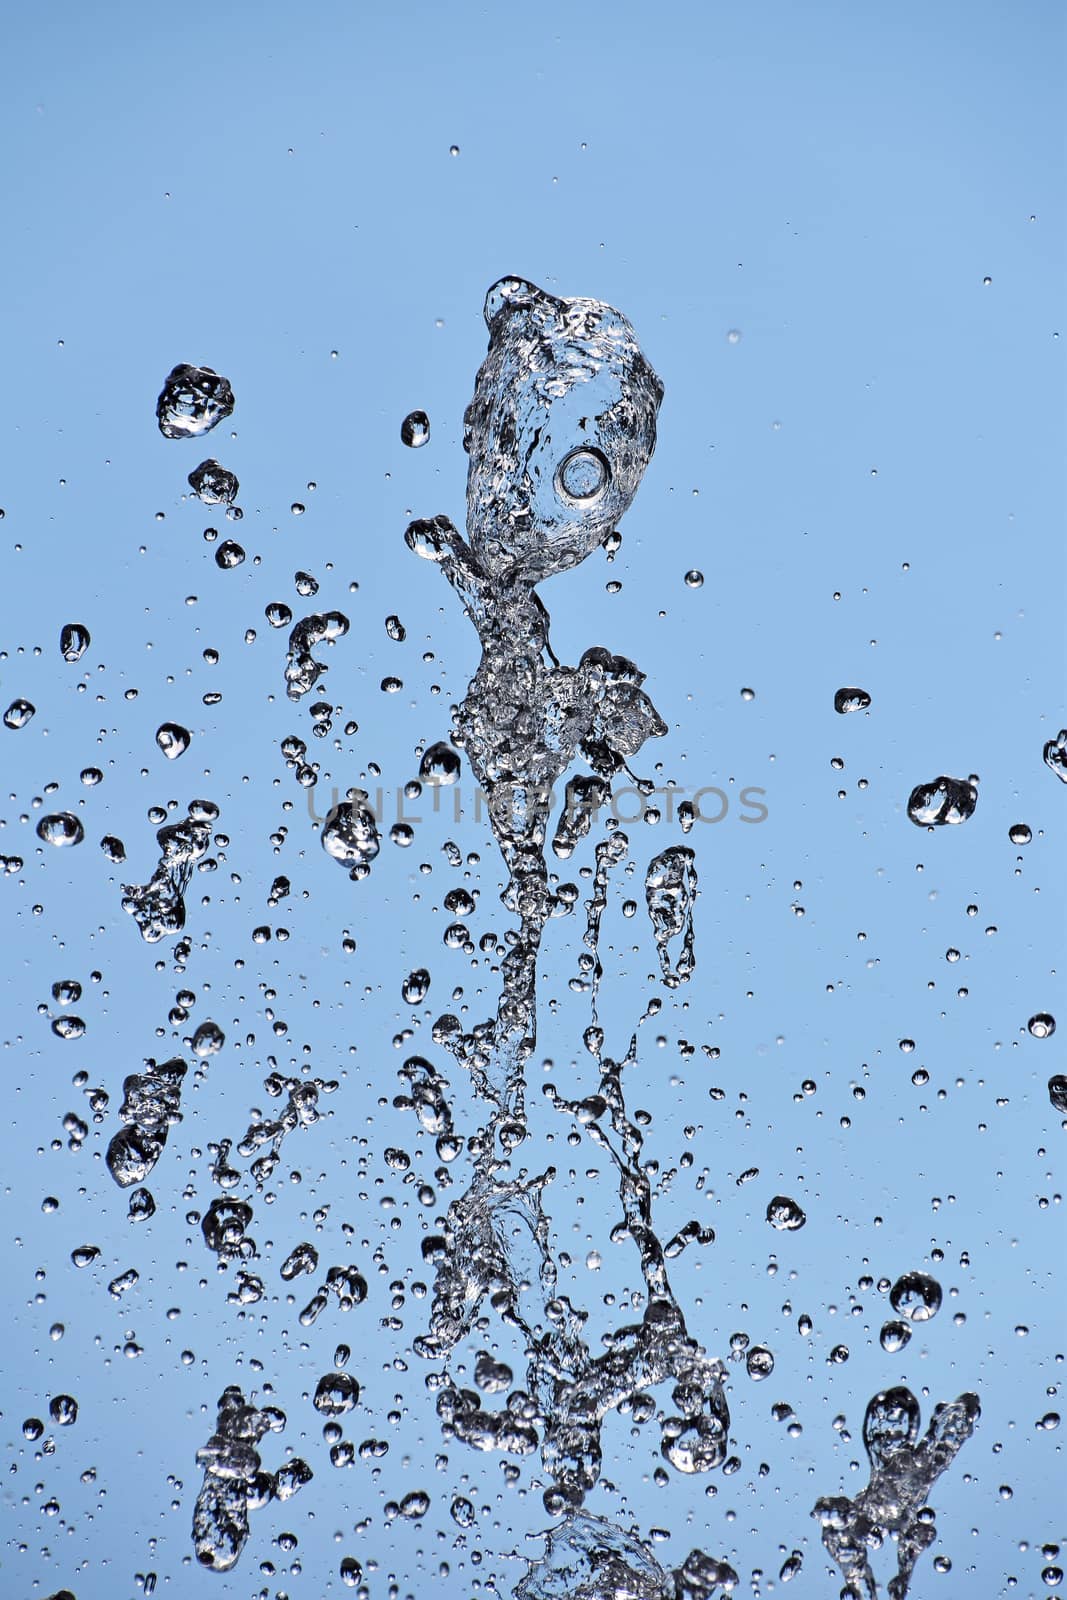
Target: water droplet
(784, 1214)
(1019, 833)
(759, 1362)
(208, 1040)
(173, 739)
(415, 987)
(1057, 1092)
(229, 555)
(1055, 755)
(1042, 1025)
(415, 430)
(192, 402)
(63, 1410)
(916, 1297)
(894, 1336)
(694, 579)
(350, 836)
(440, 764)
(336, 1394)
(213, 485)
(74, 640)
(945, 800)
(61, 829)
(846, 700)
(18, 713)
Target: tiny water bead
(694, 579)
(1019, 833)
(192, 402)
(1042, 1025)
(415, 430)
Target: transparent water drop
(415, 430)
(173, 739)
(350, 836)
(415, 987)
(916, 1296)
(63, 1410)
(694, 579)
(759, 1362)
(943, 801)
(1055, 755)
(336, 1394)
(894, 1336)
(192, 402)
(212, 484)
(74, 640)
(1042, 1025)
(1019, 833)
(19, 713)
(440, 764)
(846, 700)
(62, 829)
(208, 1040)
(229, 555)
(785, 1214)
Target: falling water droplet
(173, 739)
(415, 429)
(192, 402)
(60, 829)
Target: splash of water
(904, 1469)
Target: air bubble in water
(415, 429)
(61, 829)
(943, 801)
(192, 402)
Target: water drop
(61, 829)
(415, 430)
(173, 739)
(192, 402)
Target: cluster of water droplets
(904, 1469)
(158, 906)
